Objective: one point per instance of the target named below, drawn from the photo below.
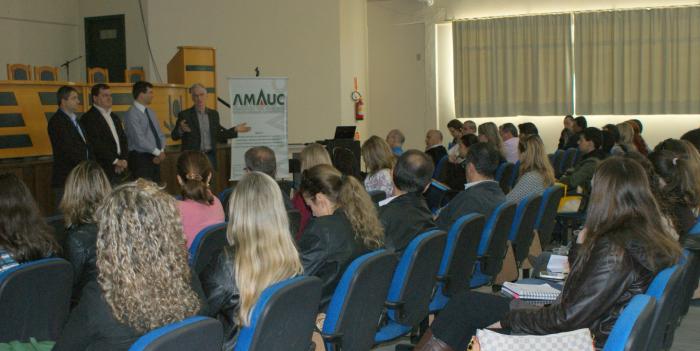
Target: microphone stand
(67, 66)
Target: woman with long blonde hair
(345, 225)
(488, 133)
(86, 186)
(143, 280)
(379, 161)
(312, 155)
(261, 253)
(536, 172)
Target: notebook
(542, 292)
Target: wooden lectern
(194, 64)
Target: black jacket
(68, 147)
(594, 294)
(101, 140)
(481, 198)
(80, 250)
(437, 153)
(403, 219)
(222, 295)
(328, 245)
(193, 139)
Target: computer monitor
(344, 132)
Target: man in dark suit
(68, 141)
(405, 215)
(199, 127)
(105, 133)
(433, 146)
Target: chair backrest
(632, 327)
(522, 230)
(34, 299)
(46, 73)
(690, 278)
(503, 176)
(377, 195)
(224, 197)
(547, 215)
(194, 333)
(206, 245)
(439, 166)
(666, 290)
(294, 217)
(283, 317)
(515, 175)
(134, 75)
(568, 159)
(458, 260)
(494, 238)
(98, 75)
(18, 71)
(414, 278)
(358, 301)
(558, 157)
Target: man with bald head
(434, 147)
(199, 127)
(262, 159)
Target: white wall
(353, 62)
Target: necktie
(159, 145)
(80, 131)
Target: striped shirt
(6, 260)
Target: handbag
(32, 345)
(577, 340)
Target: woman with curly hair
(261, 253)
(143, 277)
(86, 186)
(345, 225)
(24, 235)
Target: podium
(194, 64)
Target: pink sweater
(197, 216)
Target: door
(105, 45)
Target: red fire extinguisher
(359, 104)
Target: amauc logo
(260, 102)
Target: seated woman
(24, 235)
(143, 281)
(261, 253)
(199, 208)
(345, 225)
(488, 133)
(536, 172)
(379, 161)
(677, 187)
(312, 155)
(453, 173)
(616, 257)
(86, 186)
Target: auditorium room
(355, 175)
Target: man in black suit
(105, 133)
(68, 141)
(405, 215)
(199, 126)
(433, 146)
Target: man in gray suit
(199, 126)
(145, 139)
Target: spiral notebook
(542, 292)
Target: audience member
(312, 155)
(509, 134)
(567, 133)
(262, 159)
(693, 137)
(395, 139)
(615, 258)
(527, 128)
(260, 252)
(405, 215)
(625, 143)
(379, 161)
(198, 208)
(580, 124)
(145, 138)
(677, 188)
(144, 280)
(453, 173)
(581, 174)
(638, 140)
(455, 128)
(488, 132)
(536, 172)
(434, 147)
(86, 187)
(468, 127)
(24, 235)
(611, 141)
(345, 225)
(482, 194)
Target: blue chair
(504, 173)
(522, 230)
(631, 330)
(438, 195)
(356, 305)
(34, 299)
(283, 318)
(665, 289)
(208, 243)
(557, 160)
(412, 285)
(515, 175)
(458, 260)
(439, 166)
(493, 244)
(692, 271)
(224, 196)
(568, 160)
(194, 333)
(546, 217)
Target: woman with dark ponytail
(199, 207)
(345, 225)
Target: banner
(262, 103)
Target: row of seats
(18, 71)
